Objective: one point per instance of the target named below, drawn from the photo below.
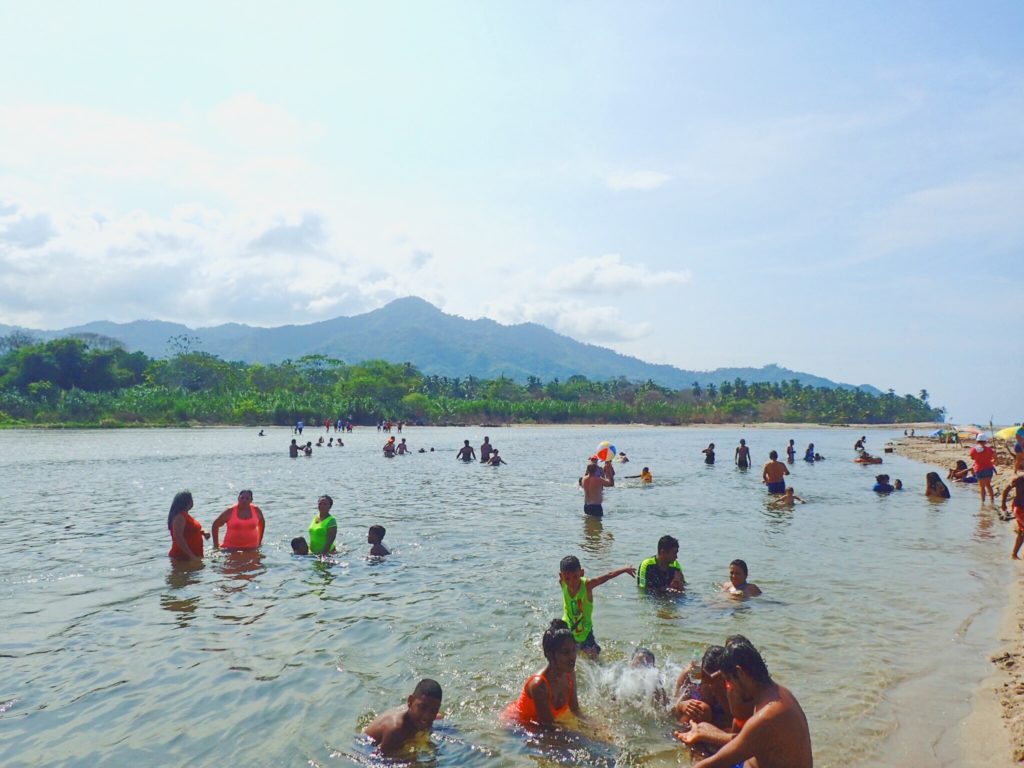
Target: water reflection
(180, 576)
(595, 538)
(241, 566)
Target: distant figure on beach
(395, 728)
(774, 474)
(244, 522)
(809, 453)
(882, 484)
(578, 601)
(187, 533)
(662, 572)
(299, 425)
(485, 450)
(495, 460)
(466, 452)
(774, 733)
(934, 487)
(791, 452)
(961, 473)
(742, 455)
(375, 538)
(737, 585)
(786, 500)
(984, 459)
(1017, 487)
(293, 449)
(593, 491)
(389, 448)
(549, 695)
(709, 454)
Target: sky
(835, 188)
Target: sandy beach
(993, 734)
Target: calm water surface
(878, 611)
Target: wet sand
(993, 733)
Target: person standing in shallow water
(709, 454)
(774, 474)
(186, 532)
(742, 455)
(244, 522)
(791, 452)
(466, 452)
(485, 450)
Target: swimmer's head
(425, 703)
(714, 656)
(376, 534)
(897, 484)
(570, 573)
(738, 572)
(740, 654)
(465, 442)
(643, 657)
(245, 495)
(591, 469)
(325, 500)
(182, 502)
(881, 479)
(668, 550)
(299, 546)
(773, 455)
(569, 564)
(742, 441)
(559, 645)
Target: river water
(878, 612)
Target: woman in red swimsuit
(186, 532)
(551, 693)
(244, 523)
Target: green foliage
(69, 381)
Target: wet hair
(569, 564)
(881, 478)
(642, 657)
(299, 546)
(591, 469)
(245, 490)
(742, 441)
(773, 455)
(378, 531)
(667, 542)
(330, 501)
(932, 478)
(741, 564)
(555, 635)
(740, 652)
(427, 689)
(182, 501)
(713, 658)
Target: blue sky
(837, 189)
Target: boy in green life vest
(578, 601)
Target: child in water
(395, 728)
(578, 601)
(787, 499)
(375, 537)
(645, 476)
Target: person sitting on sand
(395, 728)
(774, 474)
(1017, 486)
(662, 572)
(934, 487)
(961, 473)
(375, 537)
(882, 484)
(737, 585)
(549, 695)
(704, 704)
(774, 731)
(786, 500)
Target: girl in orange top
(186, 532)
(244, 523)
(551, 693)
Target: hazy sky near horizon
(834, 188)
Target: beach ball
(605, 451)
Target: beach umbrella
(968, 431)
(605, 451)
(1009, 433)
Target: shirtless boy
(774, 474)
(593, 491)
(393, 729)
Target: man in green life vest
(662, 572)
(578, 601)
(322, 531)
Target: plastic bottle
(695, 665)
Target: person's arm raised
(597, 581)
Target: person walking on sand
(984, 459)
(774, 474)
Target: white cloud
(637, 180)
(609, 274)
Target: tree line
(93, 381)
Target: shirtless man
(593, 491)
(393, 729)
(485, 450)
(466, 452)
(742, 455)
(774, 733)
(774, 475)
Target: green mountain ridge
(415, 331)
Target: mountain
(413, 330)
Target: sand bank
(993, 734)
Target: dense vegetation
(91, 381)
